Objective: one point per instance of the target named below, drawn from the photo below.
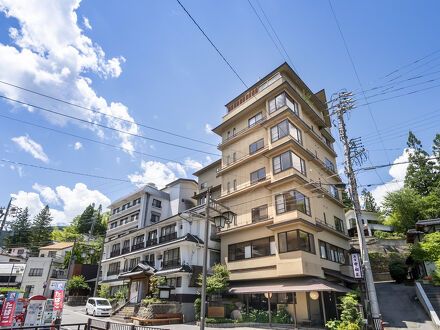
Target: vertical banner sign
(20, 313)
(58, 296)
(357, 270)
(8, 309)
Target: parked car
(98, 307)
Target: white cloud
(49, 52)
(86, 23)
(77, 145)
(32, 147)
(155, 172)
(398, 173)
(192, 164)
(208, 129)
(72, 201)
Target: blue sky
(147, 62)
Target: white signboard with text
(357, 269)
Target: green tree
(20, 228)
(428, 249)
(41, 231)
(398, 270)
(85, 253)
(346, 200)
(216, 283)
(66, 234)
(369, 201)
(104, 291)
(422, 174)
(155, 282)
(83, 223)
(77, 285)
(402, 208)
(351, 318)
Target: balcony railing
(113, 272)
(168, 237)
(137, 246)
(125, 250)
(115, 253)
(151, 242)
(170, 263)
(241, 132)
(325, 224)
(259, 219)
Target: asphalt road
(399, 309)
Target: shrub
(120, 295)
(398, 271)
(197, 307)
(281, 316)
(435, 275)
(228, 309)
(256, 315)
(155, 282)
(149, 300)
(351, 319)
(76, 285)
(220, 320)
(104, 291)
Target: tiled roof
(58, 246)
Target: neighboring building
(44, 268)
(278, 174)
(20, 252)
(11, 274)
(148, 235)
(416, 235)
(14, 255)
(370, 221)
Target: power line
(359, 81)
(107, 127)
(63, 171)
(103, 113)
(276, 35)
(88, 139)
(212, 44)
(390, 164)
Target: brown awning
(286, 285)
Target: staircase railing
(117, 309)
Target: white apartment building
(151, 236)
(370, 220)
(11, 274)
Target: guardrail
(105, 325)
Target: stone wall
(150, 310)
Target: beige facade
(278, 174)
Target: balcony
(113, 272)
(150, 242)
(241, 132)
(260, 218)
(137, 246)
(115, 253)
(166, 264)
(125, 250)
(168, 237)
(334, 229)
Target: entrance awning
(286, 285)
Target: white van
(98, 307)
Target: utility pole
(345, 103)
(205, 261)
(5, 216)
(99, 267)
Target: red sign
(8, 309)
(58, 298)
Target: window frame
(310, 241)
(302, 170)
(256, 143)
(258, 176)
(259, 208)
(233, 247)
(294, 203)
(280, 134)
(255, 120)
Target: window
(171, 258)
(149, 259)
(329, 165)
(339, 225)
(296, 240)
(333, 253)
(228, 135)
(283, 129)
(214, 258)
(234, 157)
(113, 268)
(287, 160)
(334, 192)
(152, 236)
(327, 142)
(157, 203)
(123, 207)
(168, 230)
(134, 217)
(155, 217)
(255, 119)
(258, 175)
(175, 282)
(228, 187)
(134, 262)
(234, 131)
(228, 160)
(277, 102)
(204, 185)
(292, 200)
(234, 184)
(252, 249)
(52, 254)
(259, 213)
(254, 147)
(21, 251)
(35, 272)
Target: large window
(254, 147)
(333, 253)
(157, 203)
(280, 101)
(259, 213)
(292, 200)
(287, 160)
(258, 175)
(334, 191)
(171, 258)
(283, 129)
(296, 240)
(35, 272)
(252, 249)
(329, 165)
(339, 225)
(113, 268)
(255, 119)
(155, 217)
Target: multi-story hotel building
(147, 234)
(278, 174)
